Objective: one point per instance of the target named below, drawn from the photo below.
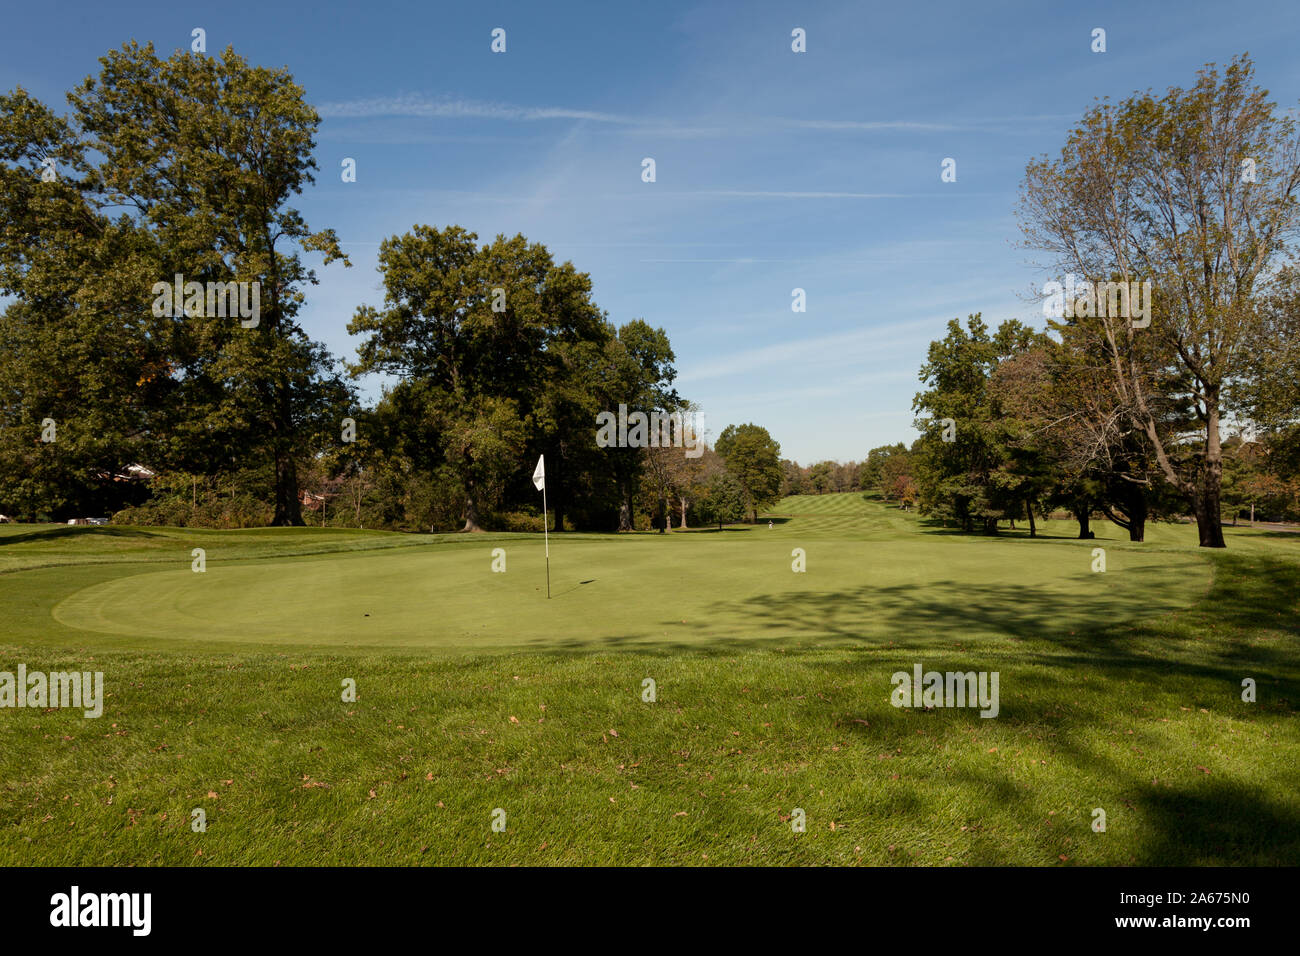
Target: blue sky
(775, 170)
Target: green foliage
(177, 166)
(1258, 481)
(490, 379)
(972, 479)
(753, 458)
(724, 500)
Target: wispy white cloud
(821, 352)
(552, 192)
(418, 105)
(450, 107)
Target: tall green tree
(476, 336)
(84, 379)
(870, 472)
(638, 372)
(183, 166)
(754, 459)
(821, 477)
(209, 153)
(724, 500)
(961, 457)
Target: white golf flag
(539, 474)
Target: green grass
(1118, 690)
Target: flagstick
(539, 481)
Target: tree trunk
(1137, 515)
(625, 513)
(288, 506)
(1206, 502)
(1209, 523)
(1029, 509)
(683, 514)
(288, 502)
(471, 512)
(1083, 515)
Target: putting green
(864, 582)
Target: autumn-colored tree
(1195, 192)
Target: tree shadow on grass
(1221, 822)
(1130, 630)
(1090, 697)
(1208, 822)
(901, 610)
(1133, 631)
(68, 531)
(1188, 816)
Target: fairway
(870, 578)
(1119, 690)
